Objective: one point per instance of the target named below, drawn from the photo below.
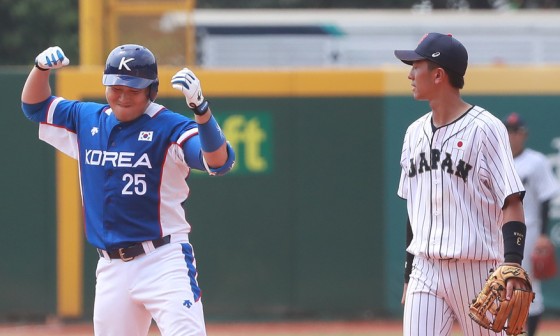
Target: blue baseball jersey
(132, 174)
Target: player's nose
(411, 74)
(123, 96)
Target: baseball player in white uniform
(541, 187)
(134, 157)
(464, 197)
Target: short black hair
(455, 79)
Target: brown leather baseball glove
(490, 308)
(543, 260)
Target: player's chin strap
(226, 167)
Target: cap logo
(124, 62)
(436, 54)
(513, 118)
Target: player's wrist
(408, 266)
(514, 241)
(506, 263)
(38, 67)
(512, 259)
(201, 109)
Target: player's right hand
(51, 58)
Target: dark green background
(27, 215)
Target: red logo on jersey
(460, 144)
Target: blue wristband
(211, 135)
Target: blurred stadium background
(308, 226)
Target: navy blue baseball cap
(514, 122)
(442, 49)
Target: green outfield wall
(308, 225)
(28, 193)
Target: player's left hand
(493, 310)
(186, 82)
(51, 58)
(515, 283)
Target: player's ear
(438, 74)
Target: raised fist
(51, 58)
(186, 82)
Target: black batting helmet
(134, 66)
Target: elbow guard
(226, 167)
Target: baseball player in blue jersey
(463, 195)
(134, 157)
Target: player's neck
(517, 151)
(445, 111)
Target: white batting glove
(51, 58)
(186, 82)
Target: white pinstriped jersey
(535, 172)
(455, 181)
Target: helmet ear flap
(153, 90)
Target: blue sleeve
(211, 135)
(193, 153)
(33, 111)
